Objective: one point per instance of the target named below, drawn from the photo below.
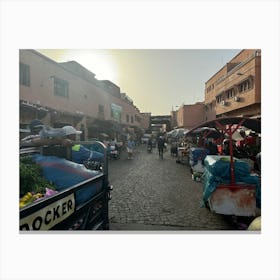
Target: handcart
(81, 206)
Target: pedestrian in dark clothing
(174, 149)
(160, 147)
(150, 145)
(213, 150)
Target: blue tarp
(217, 171)
(97, 148)
(64, 174)
(82, 153)
(197, 154)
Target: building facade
(146, 121)
(235, 90)
(188, 116)
(68, 94)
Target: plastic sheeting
(97, 148)
(197, 154)
(64, 174)
(217, 171)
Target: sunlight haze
(157, 80)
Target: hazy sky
(155, 79)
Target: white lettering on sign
(50, 215)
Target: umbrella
(180, 132)
(206, 132)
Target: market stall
(229, 187)
(201, 149)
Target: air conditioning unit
(236, 98)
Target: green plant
(31, 177)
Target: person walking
(150, 145)
(130, 147)
(160, 145)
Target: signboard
(116, 112)
(49, 216)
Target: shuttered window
(24, 74)
(61, 87)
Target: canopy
(178, 132)
(253, 124)
(206, 132)
(229, 125)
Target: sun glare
(100, 62)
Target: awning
(253, 124)
(206, 132)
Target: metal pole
(232, 177)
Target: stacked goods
(217, 171)
(196, 161)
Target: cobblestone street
(154, 194)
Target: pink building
(188, 116)
(145, 121)
(67, 93)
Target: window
(132, 120)
(230, 93)
(244, 86)
(101, 111)
(61, 87)
(24, 74)
(210, 88)
(127, 118)
(219, 98)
